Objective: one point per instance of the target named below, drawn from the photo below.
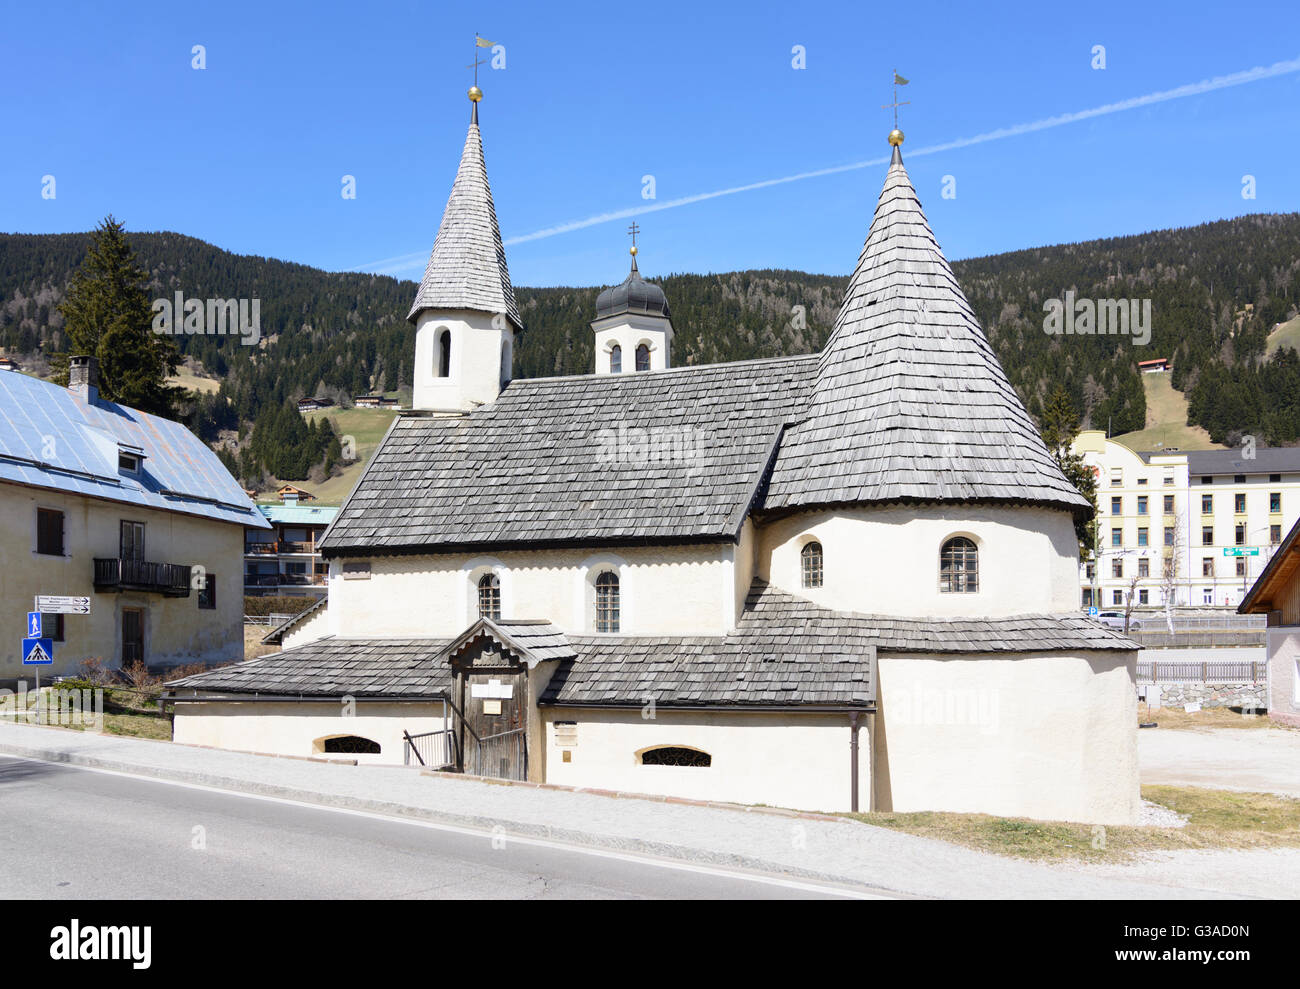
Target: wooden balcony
(169, 579)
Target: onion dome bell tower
(633, 331)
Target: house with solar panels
(127, 509)
(839, 581)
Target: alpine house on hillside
(844, 580)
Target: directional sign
(33, 624)
(1241, 551)
(58, 604)
(38, 652)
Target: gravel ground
(1156, 816)
(1265, 760)
(838, 849)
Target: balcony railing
(261, 549)
(169, 579)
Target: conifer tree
(108, 316)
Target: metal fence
(432, 749)
(1156, 622)
(1211, 671)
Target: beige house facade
(1277, 594)
(767, 582)
(127, 510)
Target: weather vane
(634, 230)
(896, 135)
(475, 93)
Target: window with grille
(958, 566)
(810, 558)
(616, 360)
(351, 744)
(607, 605)
(676, 755)
(643, 358)
(489, 596)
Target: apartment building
(1202, 523)
(284, 559)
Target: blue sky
(249, 153)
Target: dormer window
(129, 459)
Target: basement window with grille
(351, 745)
(676, 755)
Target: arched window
(507, 360)
(351, 744)
(642, 357)
(616, 360)
(607, 602)
(444, 353)
(810, 558)
(675, 755)
(489, 596)
(959, 566)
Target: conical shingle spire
(467, 267)
(910, 402)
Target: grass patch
(1166, 423)
(1217, 819)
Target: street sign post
(38, 652)
(62, 604)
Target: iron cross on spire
(898, 81)
(479, 42)
(634, 230)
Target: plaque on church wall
(491, 707)
(566, 734)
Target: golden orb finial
(475, 94)
(895, 137)
(632, 250)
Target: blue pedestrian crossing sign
(38, 652)
(33, 624)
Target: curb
(683, 853)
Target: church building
(838, 581)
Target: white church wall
(293, 729)
(782, 759)
(1051, 736)
(475, 368)
(678, 590)
(308, 630)
(886, 560)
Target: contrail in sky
(407, 261)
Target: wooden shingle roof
(910, 403)
(665, 455)
(467, 266)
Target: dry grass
(1203, 720)
(1166, 423)
(1217, 819)
(253, 646)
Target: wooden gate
(495, 743)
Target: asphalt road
(68, 832)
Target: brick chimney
(83, 378)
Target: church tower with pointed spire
(632, 326)
(464, 313)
